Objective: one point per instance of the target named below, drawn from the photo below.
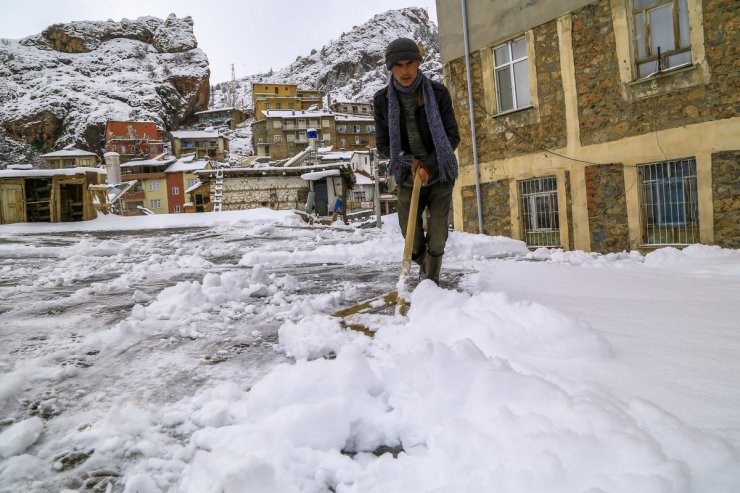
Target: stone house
(601, 125)
(134, 140)
(352, 108)
(354, 132)
(282, 134)
(205, 144)
(47, 195)
(230, 117)
(281, 188)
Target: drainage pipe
(472, 116)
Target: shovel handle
(409, 245)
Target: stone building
(204, 144)
(602, 125)
(282, 134)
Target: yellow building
(273, 96)
(70, 158)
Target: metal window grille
(669, 205)
(539, 212)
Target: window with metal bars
(669, 206)
(539, 212)
(661, 30)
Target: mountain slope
(62, 85)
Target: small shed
(48, 195)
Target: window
(669, 208)
(342, 129)
(301, 123)
(358, 196)
(277, 124)
(291, 106)
(278, 106)
(192, 181)
(290, 137)
(325, 123)
(277, 139)
(511, 75)
(539, 212)
(357, 140)
(175, 190)
(268, 106)
(155, 204)
(153, 186)
(661, 35)
(327, 137)
(342, 142)
(356, 129)
(370, 129)
(177, 208)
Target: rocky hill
(351, 68)
(62, 85)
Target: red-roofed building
(134, 140)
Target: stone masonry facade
(726, 198)
(607, 208)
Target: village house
(603, 125)
(352, 108)
(151, 189)
(205, 144)
(217, 117)
(70, 158)
(47, 195)
(274, 96)
(282, 134)
(134, 140)
(354, 132)
(180, 178)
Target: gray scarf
(401, 162)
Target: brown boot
(433, 266)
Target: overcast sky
(253, 35)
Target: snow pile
(551, 372)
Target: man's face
(405, 71)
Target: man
(415, 128)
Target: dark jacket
(382, 139)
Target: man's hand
(418, 167)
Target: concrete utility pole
(376, 193)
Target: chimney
(112, 168)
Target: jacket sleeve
(448, 118)
(382, 139)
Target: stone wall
(607, 208)
(604, 114)
(520, 132)
(280, 193)
(496, 210)
(726, 198)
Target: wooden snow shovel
(393, 298)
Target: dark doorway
(322, 198)
(38, 200)
(70, 202)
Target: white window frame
(277, 124)
(277, 139)
(154, 186)
(192, 181)
(155, 204)
(327, 137)
(177, 208)
(651, 59)
(519, 100)
(175, 190)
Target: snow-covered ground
(196, 353)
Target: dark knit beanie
(401, 49)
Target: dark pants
(437, 198)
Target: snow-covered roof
(23, 173)
(317, 175)
(194, 134)
(337, 156)
(349, 117)
(361, 179)
(69, 153)
(148, 162)
(182, 165)
(195, 186)
(296, 113)
(215, 110)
